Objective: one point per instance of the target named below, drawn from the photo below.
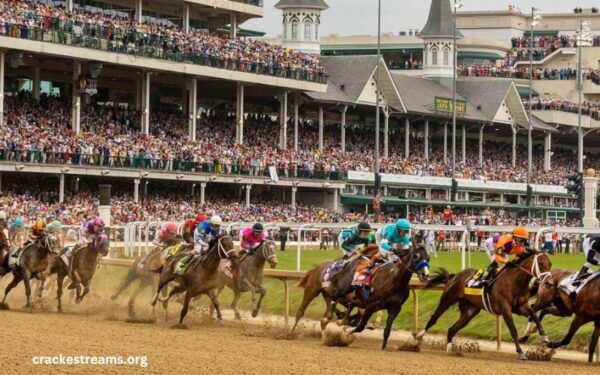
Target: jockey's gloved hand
(243, 251)
(511, 263)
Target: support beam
(37, 81)
(76, 99)
(136, 190)
(344, 110)
(146, 103)
(336, 198)
(234, 25)
(481, 145)
(283, 123)
(426, 141)
(2, 67)
(139, 88)
(464, 144)
(202, 192)
(61, 188)
(239, 115)
(248, 191)
(445, 142)
(548, 152)
(407, 138)
(296, 120)
(69, 5)
(294, 193)
(386, 133)
(186, 18)
(321, 125)
(514, 148)
(193, 109)
(138, 11)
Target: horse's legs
(15, 281)
(309, 295)
(86, 289)
(575, 324)
(513, 332)
(78, 292)
(176, 290)
(131, 276)
(27, 281)
(215, 301)
(42, 280)
(59, 291)
(186, 306)
(364, 319)
(262, 292)
(526, 310)
(467, 312)
(392, 314)
(445, 303)
(161, 285)
(594, 341)
(234, 304)
(134, 295)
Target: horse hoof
(60, 310)
(254, 313)
(78, 300)
(29, 309)
(522, 356)
(545, 339)
(220, 322)
(339, 322)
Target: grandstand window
(307, 31)
(434, 56)
(294, 30)
(446, 56)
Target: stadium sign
(445, 105)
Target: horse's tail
(306, 277)
(438, 276)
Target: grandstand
(162, 94)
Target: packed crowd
(38, 132)
(509, 71)
(551, 104)
(28, 19)
(544, 45)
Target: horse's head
(224, 246)
(50, 243)
(102, 244)
(420, 263)
(536, 263)
(267, 251)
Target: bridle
(535, 269)
(269, 258)
(221, 249)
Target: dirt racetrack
(98, 327)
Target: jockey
(353, 239)
(393, 237)
(190, 226)
(591, 249)
(508, 244)
(88, 234)
(252, 237)
(18, 224)
(55, 228)
(489, 246)
(37, 230)
(204, 233)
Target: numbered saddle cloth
(566, 285)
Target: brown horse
(508, 294)
(390, 286)
(33, 264)
(313, 285)
(249, 276)
(586, 308)
(145, 269)
(201, 276)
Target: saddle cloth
(361, 277)
(566, 285)
(334, 268)
(474, 285)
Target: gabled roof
(487, 95)
(440, 22)
(315, 4)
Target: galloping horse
(84, 264)
(508, 294)
(201, 276)
(249, 276)
(33, 264)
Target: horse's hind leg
(59, 291)
(161, 284)
(445, 303)
(176, 290)
(215, 301)
(86, 289)
(131, 276)
(186, 306)
(234, 304)
(467, 312)
(575, 324)
(15, 281)
(594, 341)
(27, 282)
(262, 292)
(42, 278)
(134, 295)
(309, 295)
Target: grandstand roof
(440, 22)
(316, 4)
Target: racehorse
(508, 293)
(84, 263)
(33, 264)
(249, 276)
(390, 286)
(313, 285)
(201, 275)
(144, 269)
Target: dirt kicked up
(98, 328)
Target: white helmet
(2, 215)
(216, 220)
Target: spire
(439, 24)
(312, 4)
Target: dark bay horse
(84, 263)
(390, 288)
(201, 276)
(507, 295)
(313, 285)
(249, 276)
(33, 264)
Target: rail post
(298, 244)
(286, 293)
(498, 333)
(415, 310)
(539, 235)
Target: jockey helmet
(216, 220)
(19, 222)
(364, 227)
(258, 228)
(2, 215)
(56, 224)
(99, 222)
(521, 232)
(403, 224)
(171, 228)
(200, 218)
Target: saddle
(364, 278)
(566, 285)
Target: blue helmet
(19, 222)
(403, 224)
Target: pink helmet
(171, 228)
(99, 222)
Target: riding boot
(582, 275)
(489, 273)
(182, 265)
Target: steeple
(439, 23)
(301, 22)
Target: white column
(407, 138)
(548, 152)
(426, 141)
(76, 99)
(37, 81)
(136, 190)
(296, 120)
(186, 17)
(239, 115)
(336, 198)
(76, 185)
(138, 11)
(514, 148)
(233, 24)
(69, 5)
(464, 143)
(248, 190)
(139, 89)
(146, 104)
(445, 142)
(590, 186)
(386, 133)
(481, 145)
(321, 120)
(61, 188)
(294, 192)
(202, 192)
(283, 123)
(2, 63)
(193, 109)
(344, 110)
